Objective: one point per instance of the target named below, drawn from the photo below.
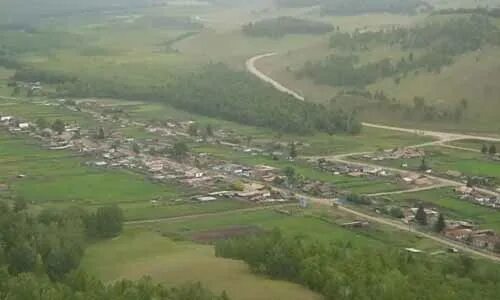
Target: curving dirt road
(442, 136)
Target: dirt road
(442, 136)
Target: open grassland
(137, 253)
(473, 76)
(60, 176)
(353, 184)
(453, 207)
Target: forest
(342, 272)
(436, 42)
(40, 256)
(356, 7)
(279, 27)
(242, 98)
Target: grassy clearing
(145, 210)
(139, 252)
(454, 207)
(60, 176)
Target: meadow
(164, 250)
(137, 252)
(61, 177)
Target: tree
(20, 204)
(58, 126)
(193, 129)
(100, 134)
(42, 123)
(136, 148)
(492, 150)
(484, 149)
(16, 91)
(108, 221)
(209, 130)
(421, 216)
(180, 150)
(396, 212)
(440, 224)
(290, 173)
(293, 150)
(423, 165)
(22, 258)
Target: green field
(137, 253)
(61, 177)
(453, 207)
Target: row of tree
(356, 7)
(281, 26)
(340, 271)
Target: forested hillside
(355, 7)
(279, 27)
(437, 44)
(342, 272)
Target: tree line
(40, 255)
(340, 271)
(356, 7)
(281, 26)
(215, 91)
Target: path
(443, 136)
(403, 227)
(197, 216)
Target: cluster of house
(473, 195)
(395, 154)
(254, 192)
(337, 168)
(263, 173)
(466, 233)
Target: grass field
(60, 176)
(137, 253)
(453, 207)
(142, 250)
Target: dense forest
(40, 256)
(279, 27)
(242, 98)
(296, 3)
(436, 42)
(343, 272)
(356, 7)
